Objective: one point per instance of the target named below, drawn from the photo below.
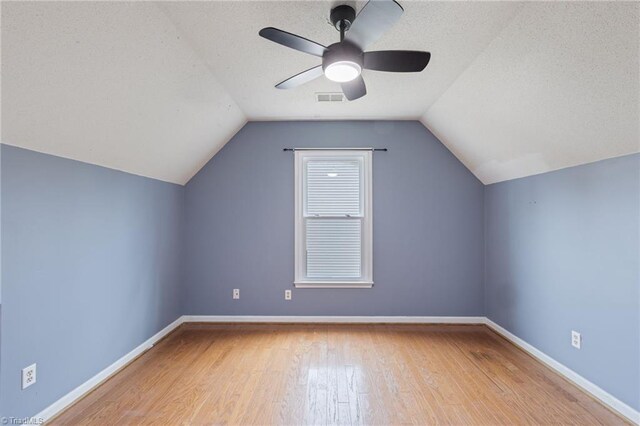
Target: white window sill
(333, 284)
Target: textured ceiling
(558, 87)
(113, 84)
(248, 66)
(513, 89)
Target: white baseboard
(334, 319)
(598, 393)
(73, 396)
(601, 395)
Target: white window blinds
(334, 249)
(333, 187)
(333, 228)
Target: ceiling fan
(344, 61)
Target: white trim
(300, 220)
(334, 319)
(332, 284)
(73, 396)
(594, 390)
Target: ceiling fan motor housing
(343, 51)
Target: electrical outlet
(576, 339)
(236, 293)
(28, 376)
(287, 295)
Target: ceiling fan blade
(301, 78)
(293, 41)
(354, 89)
(396, 60)
(375, 18)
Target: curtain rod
(336, 149)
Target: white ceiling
(113, 84)
(249, 67)
(155, 89)
(558, 87)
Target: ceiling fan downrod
(342, 17)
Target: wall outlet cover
(236, 293)
(576, 339)
(287, 295)
(28, 376)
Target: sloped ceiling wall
(113, 84)
(556, 88)
(156, 89)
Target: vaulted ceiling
(156, 89)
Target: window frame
(366, 279)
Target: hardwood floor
(336, 374)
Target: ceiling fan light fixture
(343, 62)
(342, 71)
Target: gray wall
(89, 271)
(92, 258)
(427, 219)
(0, 281)
(562, 254)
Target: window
(333, 218)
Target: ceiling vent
(330, 97)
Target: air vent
(330, 97)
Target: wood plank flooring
(293, 374)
